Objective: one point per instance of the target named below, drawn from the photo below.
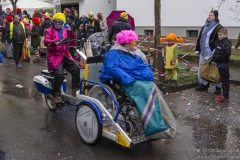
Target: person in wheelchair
(127, 64)
(59, 58)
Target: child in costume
(171, 58)
(35, 38)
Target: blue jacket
(125, 67)
(1, 59)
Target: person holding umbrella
(119, 25)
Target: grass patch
(185, 76)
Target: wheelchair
(128, 118)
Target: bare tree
(157, 12)
(14, 4)
(233, 6)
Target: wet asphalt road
(29, 131)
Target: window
(192, 33)
(146, 32)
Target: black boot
(174, 83)
(169, 83)
(56, 99)
(201, 87)
(218, 90)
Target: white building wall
(141, 10)
(97, 6)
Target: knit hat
(171, 37)
(59, 16)
(67, 10)
(124, 15)
(36, 21)
(46, 15)
(9, 18)
(215, 12)
(90, 13)
(19, 10)
(126, 36)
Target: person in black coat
(35, 38)
(94, 22)
(119, 25)
(71, 23)
(221, 57)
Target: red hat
(19, 10)
(36, 21)
(67, 10)
(9, 18)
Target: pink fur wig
(126, 36)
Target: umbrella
(115, 15)
(31, 5)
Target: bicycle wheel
(88, 126)
(98, 93)
(51, 105)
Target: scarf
(208, 26)
(60, 35)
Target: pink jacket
(55, 53)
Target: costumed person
(91, 20)
(206, 43)
(171, 58)
(26, 46)
(8, 46)
(118, 26)
(46, 22)
(35, 38)
(59, 58)
(103, 23)
(19, 12)
(136, 78)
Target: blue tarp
(124, 66)
(145, 95)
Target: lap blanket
(156, 117)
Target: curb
(190, 85)
(179, 88)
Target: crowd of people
(48, 29)
(21, 29)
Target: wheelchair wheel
(129, 128)
(98, 93)
(51, 105)
(88, 126)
